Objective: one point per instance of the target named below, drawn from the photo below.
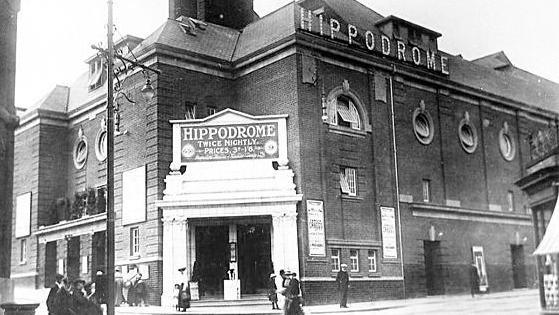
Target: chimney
(230, 13)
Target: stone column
(175, 255)
(285, 248)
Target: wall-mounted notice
(388, 222)
(315, 220)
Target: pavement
(517, 302)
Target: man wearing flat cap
(342, 280)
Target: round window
(101, 145)
(468, 136)
(80, 152)
(506, 145)
(423, 126)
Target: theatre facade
(320, 134)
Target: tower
(231, 13)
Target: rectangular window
(101, 199)
(335, 259)
(23, 215)
(348, 181)
(426, 187)
(61, 267)
(372, 259)
(354, 260)
(134, 241)
(211, 110)
(84, 265)
(510, 200)
(190, 111)
(23, 251)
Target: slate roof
(227, 45)
(56, 100)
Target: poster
(479, 261)
(229, 142)
(315, 221)
(388, 222)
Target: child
(272, 295)
(176, 292)
(184, 298)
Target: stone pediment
(229, 116)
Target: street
(524, 302)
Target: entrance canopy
(550, 241)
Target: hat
(288, 273)
(79, 281)
(272, 275)
(343, 265)
(182, 269)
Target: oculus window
(80, 150)
(467, 134)
(101, 145)
(507, 145)
(423, 126)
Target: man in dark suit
(52, 303)
(342, 280)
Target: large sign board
(257, 140)
(479, 261)
(388, 222)
(315, 221)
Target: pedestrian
(79, 302)
(52, 306)
(342, 280)
(129, 285)
(474, 279)
(140, 290)
(293, 296)
(119, 286)
(184, 297)
(100, 287)
(176, 295)
(272, 295)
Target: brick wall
(326, 292)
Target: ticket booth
(230, 205)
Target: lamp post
(148, 93)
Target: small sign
(315, 221)
(388, 221)
(479, 260)
(194, 295)
(229, 142)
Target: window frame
(354, 260)
(189, 111)
(510, 201)
(210, 110)
(330, 112)
(349, 175)
(372, 258)
(426, 189)
(135, 241)
(23, 251)
(335, 257)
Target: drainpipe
(390, 79)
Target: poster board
(315, 222)
(388, 223)
(479, 261)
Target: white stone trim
(353, 279)
(485, 216)
(142, 260)
(82, 226)
(23, 275)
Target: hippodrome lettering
(229, 132)
(375, 43)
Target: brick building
(320, 134)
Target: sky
(54, 36)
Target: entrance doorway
(211, 259)
(434, 280)
(518, 268)
(255, 262)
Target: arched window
(345, 110)
(345, 114)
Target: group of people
(130, 289)
(77, 297)
(291, 291)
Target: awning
(550, 241)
